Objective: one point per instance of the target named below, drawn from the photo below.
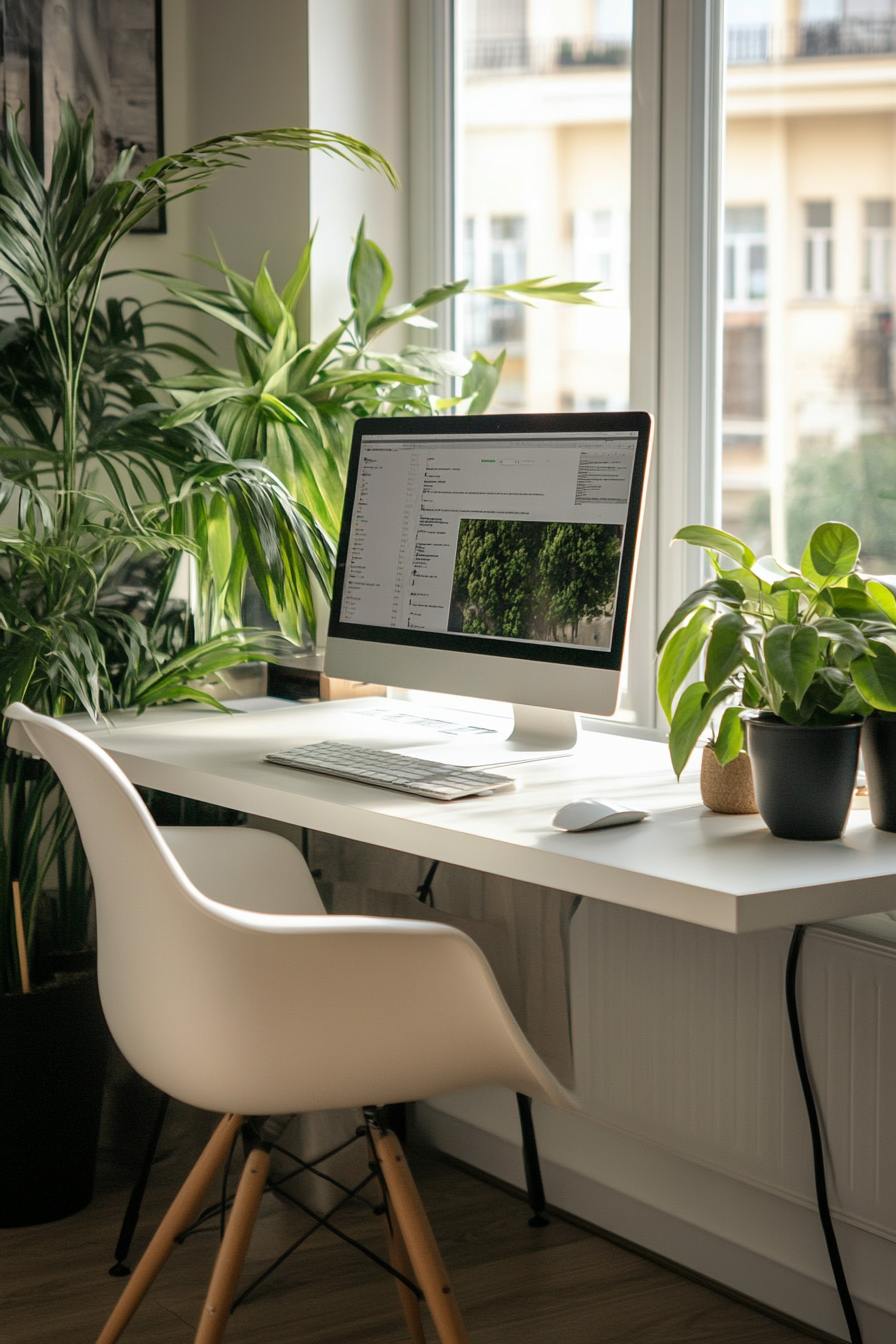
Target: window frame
(675, 291)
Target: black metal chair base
(120, 1269)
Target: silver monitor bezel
(554, 676)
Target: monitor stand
(536, 735)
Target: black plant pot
(879, 754)
(804, 776)
(52, 1065)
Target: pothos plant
(814, 645)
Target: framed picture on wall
(103, 54)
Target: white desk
(725, 873)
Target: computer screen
(490, 555)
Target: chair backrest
(162, 953)
(259, 1013)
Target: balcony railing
(753, 44)
(758, 44)
(511, 55)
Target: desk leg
(531, 1164)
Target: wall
(225, 71)
(359, 86)
(165, 252)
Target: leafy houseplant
(806, 648)
(291, 402)
(94, 487)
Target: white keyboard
(428, 779)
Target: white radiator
(681, 1037)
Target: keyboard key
(386, 769)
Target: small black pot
(879, 754)
(804, 776)
(52, 1064)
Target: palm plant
(93, 479)
(291, 403)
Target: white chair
(261, 1014)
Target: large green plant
(813, 645)
(291, 402)
(92, 479)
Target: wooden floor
(515, 1284)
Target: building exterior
(807, 261)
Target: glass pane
(543, 189)
(808, 409)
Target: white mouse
(590, 814)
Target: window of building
(818, 249)
(543, 187)
(745, 254)
(507, 255)
(494, 253)
(600, 249)
(876, 248)
(808, 392)
(495, 34)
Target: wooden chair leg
(400, 1260)
(414, 1227)
(180, 1215)
(232, 1252)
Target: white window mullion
(676, 302)
(646, 158)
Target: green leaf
(880, 594)
(770, 571)
(832, 553)
(692, 714)
(753, 587)
(370, 280)
(875, 676)
(725, 651)
(842, 633)
(729, 741)
(711, 539)
(411, 312)
(853, 604)
(792, 655)
(266, 307)
(524, 291)
(296, 282)
(722, 591)
(680, 655)
(481, 382)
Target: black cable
(821, 1187)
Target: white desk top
(722, 872)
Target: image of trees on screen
(551, 582)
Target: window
(495, 34)
(744, 260)
(495, 254)
(809, 430)
(544, 149)
(876, 248)
(818, 249)
(600, 249)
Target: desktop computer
(493, 556)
